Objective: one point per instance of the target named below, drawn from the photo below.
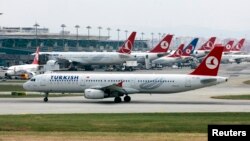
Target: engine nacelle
(94, 94)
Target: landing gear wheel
(117, 99)
(127, 98)
(45, 99)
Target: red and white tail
(208, 45)
(178, 52)
(36, 58)
(163, 45)
(128, 44)
(239, 45)
(228, 46)
(210, 65)
(187, 52)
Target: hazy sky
(225, 18)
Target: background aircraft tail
(210, 65)
(36, 58)
(163, 45)
(189, 49)
(128, 44)
(208, 45)
(239, 45)
(178, 51)
(228, 46)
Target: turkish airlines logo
(179, 52)
(209, 45)
(127, 47)
(228, 47)
(164, 44)
(238, 46)
(212, 62)
(189, 49)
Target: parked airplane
(25, 71)
(228, 47)
(99, 86)
(159, 50)
(170, 59)
(100, 58)
(205, 48)
(237, 48)
(189, 49)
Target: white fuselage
(233, 57)
(17, 69)
(141, 56)
(93, 58)
(132, 83)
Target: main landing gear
(46, 97)
(126, 99)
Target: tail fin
(36, 58)
(228, 46)
(178, 52)
(208, 45)
(210, 65)
(239, 45)
(128, 44)
(163, 45)
(189, 49)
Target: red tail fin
(228, 46)
(178, 51)
(208, 45)
(163, 45)
(187, 51)
(128, 44)
(210, 65)
(239, 45)
(36, 58)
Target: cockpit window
(33, 79)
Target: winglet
(128, 44)
(228, 46)
(178, 52)
(189, 49)
(210, 65)
(36, 58)
(163, 45)
(239, 45)
(208, 45)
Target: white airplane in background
(25, 71)
(205, 48)
(99, 86)
(170, 59)
(100, 58)
(159, 50)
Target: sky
(195, 18)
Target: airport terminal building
(17, 43)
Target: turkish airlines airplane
(170, 59)
(100, 58)
(22, 70)
(205, 48)
(236, 49)
(159, 50)
(99, 86)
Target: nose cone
(10, 72)
(26, 85)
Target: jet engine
(94, 94)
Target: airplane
(189, 49)
(99, 58)
(236, 49)
(159, 50)
(170, 59)
(205, 48)
(100, 86)
(25, 71)
(228, 47)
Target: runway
(192, 101)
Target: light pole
(152, 38)
(36, 25)
(159, 36)
(63, 26)
(88, 28)
(142, 39)
(77, 26)
(108, 29)
(126, 33)
(118, 30)
(99, 28)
